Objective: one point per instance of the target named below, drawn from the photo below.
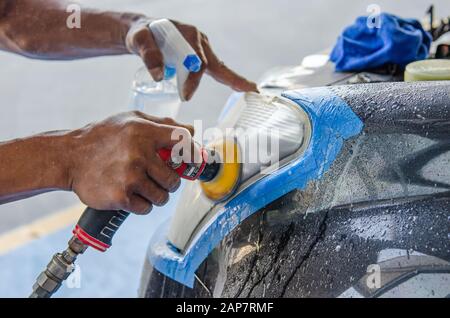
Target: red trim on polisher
(89, 240)
(184, 166)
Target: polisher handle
(97, 228)
(189, 171)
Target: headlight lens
(270, 131)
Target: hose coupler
(57, 271)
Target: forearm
(35, 165)
(38, 29)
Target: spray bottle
(163, 99)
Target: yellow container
(428, 70)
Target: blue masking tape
(332, 122)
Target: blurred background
(251, 36)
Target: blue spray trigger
(169, 72)
(193, 63)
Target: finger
(150, 54)
(194, 78)
(193, 36)
(192, 83)
(183, 148)
(165, 121)
(139, 205)
(150, 191)
(221, 73)
(163, 175)
(171, 122)
(169, 136)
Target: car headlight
(307, 128)
(270, 131)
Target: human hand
(140, 41)
(116, 165)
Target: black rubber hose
(401, 107)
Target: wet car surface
(376, 224)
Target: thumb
(172, 135)
(180, 140)
(144, 44)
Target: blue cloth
(399, 41)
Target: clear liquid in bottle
(159, 99)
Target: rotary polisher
(218, 172)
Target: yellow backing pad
(227, 178)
